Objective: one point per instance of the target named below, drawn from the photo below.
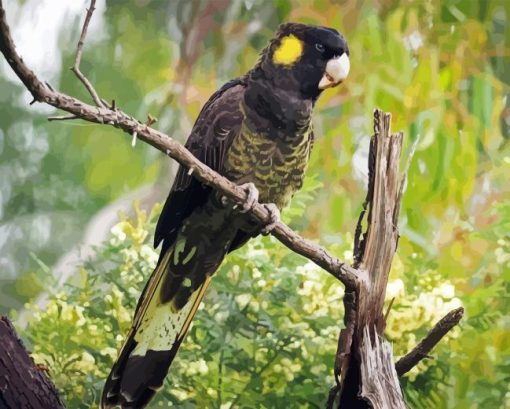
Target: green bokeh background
(442, 68)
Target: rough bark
(364, 369)
(367, 373)
(22, 384)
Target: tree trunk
(369, 376)
(22, 384)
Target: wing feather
(217, 125)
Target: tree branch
(77, 60)
(104, 115)
(407, 362)
(368, 375)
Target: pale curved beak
(336, 72)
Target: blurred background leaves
(440, 67)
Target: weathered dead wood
(365, 373)
(77, 59)
(22, 384)
(379, 380)
(368, 376)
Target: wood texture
(379, 381)
(22, 384)
(369, 378)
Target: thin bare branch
(151, 120)
(117, 118)
(407, 362)
(388, 311)
(77, 60)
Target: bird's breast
(276, 167)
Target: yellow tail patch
(158, 326)
(289, 51)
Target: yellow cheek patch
(289, 51)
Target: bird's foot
(252, 196)
(274, 218)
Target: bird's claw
(224, 200)
(252, 196)
(274, 218)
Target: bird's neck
(276, 106)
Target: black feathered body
(197, 230)
(254, 129)
(272, 153)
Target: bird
(256, 130)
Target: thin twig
(407, 362)
(49, 86)
(151, 120)
(358, 251)
(79, 49)
(333, 393)
(388, 311)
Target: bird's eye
(320, 47)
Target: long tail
(157, 332)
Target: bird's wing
(167, 306)
(217, 124)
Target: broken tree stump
(365, 372)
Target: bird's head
(309, 58)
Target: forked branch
(77, 60)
